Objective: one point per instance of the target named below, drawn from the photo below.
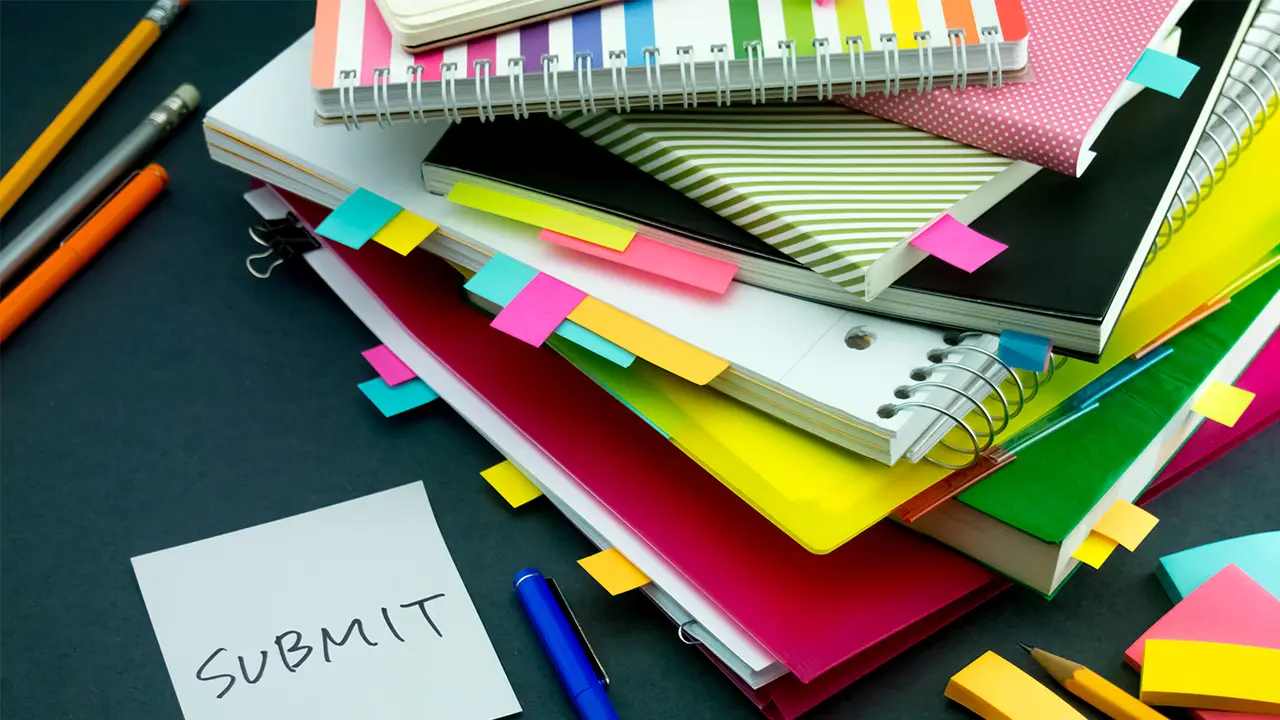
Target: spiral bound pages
(655, 52)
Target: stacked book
(831, 318)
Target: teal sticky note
(501, 279)
(401, 398)
(584, 338)
(1168, 74)
(1024, 351)
(1258, 555)
(356, 220)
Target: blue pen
(576, 672)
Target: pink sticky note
(390, 368)
(651, 256)
(952, 242)
(537, 310)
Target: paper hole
(859, 338)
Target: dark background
(166, 396)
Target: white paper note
(350, 612)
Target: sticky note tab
(538, 309)
(392, 401)
(539, 215)
(1211, 676)
(511, 484)
(1258, 555)
(954, 243)
(357, 219)
(1168, 74)
(584, 338)
(1024, 351)
(1095, 550)
(1127, 524)
(390, 368)
(614, 572)
(996, 689)
(1223, 403)
(501, 279)
(657, 258)
(669, 353)
(404, 232)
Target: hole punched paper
(348, 612)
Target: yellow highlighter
(1093, 688)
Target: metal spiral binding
(790, 75)
(685, 636)
(720, 55)
(413, 90)
(449, 91)
(822, 49)
(857, 66)
(586, 90)
(551, 83)
(484, 93)
(618, 66)
(959, 60)
(515, 66)
(347, 99)
(892, 64)
(923, 51)
(688, 78)
(755, 66)
(381, 105)
(652, 70)
(995, 68)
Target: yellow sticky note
(511, 484)
(614, 572)
(1223, 403)
(996, 689)
(671, 354)
(1127, 524)
(541, 216)
(1095, 550)
(1211, 676)
(404, 232)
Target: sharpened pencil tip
(1025, 647)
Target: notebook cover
(1081, 52)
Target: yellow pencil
(1093, 688)
(86, 102)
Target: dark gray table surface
(166, 396)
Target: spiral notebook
(656, 53)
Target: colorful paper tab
(357, 219)
(1168, 74)
(1127, 524)
(1223, 403)
(587, 340)
(954, 243)
(657, 258)
(392, 401)
(511, 484)
(614, 572)
(671, 354)
(538, 309)
(390, 368)
(996, 689)
(542, 216)
(1211, 676)
(404, 232)
(1024, 351)
(1257, 554)
(1095, 550)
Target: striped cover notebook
(655, 52)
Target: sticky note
(669, 353)
(501, 279)
(1095, 550)
(511, 484)
(404, 232)
(390, 368)
(1223, 403)
(954, 243)
(1024, 351)
(1258, 555)
(1212, 676)
(357, 219)
(395, 400)
(1127, 524)
(536, 312)
(1168, 74)
(539, 215)
(657, 258)
(587, 340)
(996, 689)
(614, 572)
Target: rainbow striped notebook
(663, 53)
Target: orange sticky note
(511, 484)
(404, 232)
(1211, 676)
(669, 353)
(614, 572)
(1223, 403)
(996, 689)
(1127, 524)
(1095, 550)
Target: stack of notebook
(726, 351)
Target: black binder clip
(284, 239)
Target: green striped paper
(833, 189)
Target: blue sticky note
(501, 279)
(356, 220)
(1024, 351)
(1168, 74)
(395, 400)
(1258, 555)
(584, 338)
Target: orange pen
(80, 248)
